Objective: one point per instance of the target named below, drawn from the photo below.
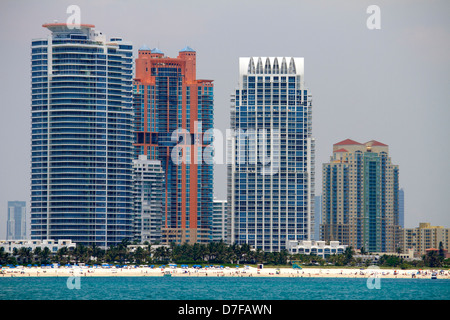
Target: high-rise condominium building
(82, 136)
(172, 111)
(16, 221)
(360, 197)
(271, 149)
(148, 199)
(219, 221)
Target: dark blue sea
(223, 288)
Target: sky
(390, 84)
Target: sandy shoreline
(220, 272)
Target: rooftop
(347, 142)
(187, 49)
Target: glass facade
(82, 135)
(271, 170)
(173, 110)
(16, 221)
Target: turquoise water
(184, 288)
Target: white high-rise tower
(271, 155)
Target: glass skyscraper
(271, 155)
(173, 110)
(82, 136)
(16, 221)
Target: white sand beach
(247, 271)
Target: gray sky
(391, 85)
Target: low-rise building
(425, 237)
(53, 245)
(319, 248)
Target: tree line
(211, 253)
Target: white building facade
(271, 155)
(319, 248)
(52, 245)
(219, 220)
(81, 136)
(148, 182)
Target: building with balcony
(81, 136)
(271, 155)
(425, 237)
(360, 197)
(173, 111)
(318, 248)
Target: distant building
(219, 220)
(318, 248)
(425, 237)
(317, 217)
(148, 180)
(81, 136)
(360, 197)
(408, 255)
(53, 245)
(16, 220)
(401, 208)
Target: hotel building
(360, 197)
(173, 109)
(271, 155)
(81, 136)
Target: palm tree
(348, 255)
(3, 256)
(96, 252)
(139, 255)
(45, 254)
(25, 255)
(37, 254)
(80, 253)
(62, 255)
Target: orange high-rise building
(168, 97)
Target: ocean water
(223, 288)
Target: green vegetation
(216, 253)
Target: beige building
(425, 237)
(360, 197)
